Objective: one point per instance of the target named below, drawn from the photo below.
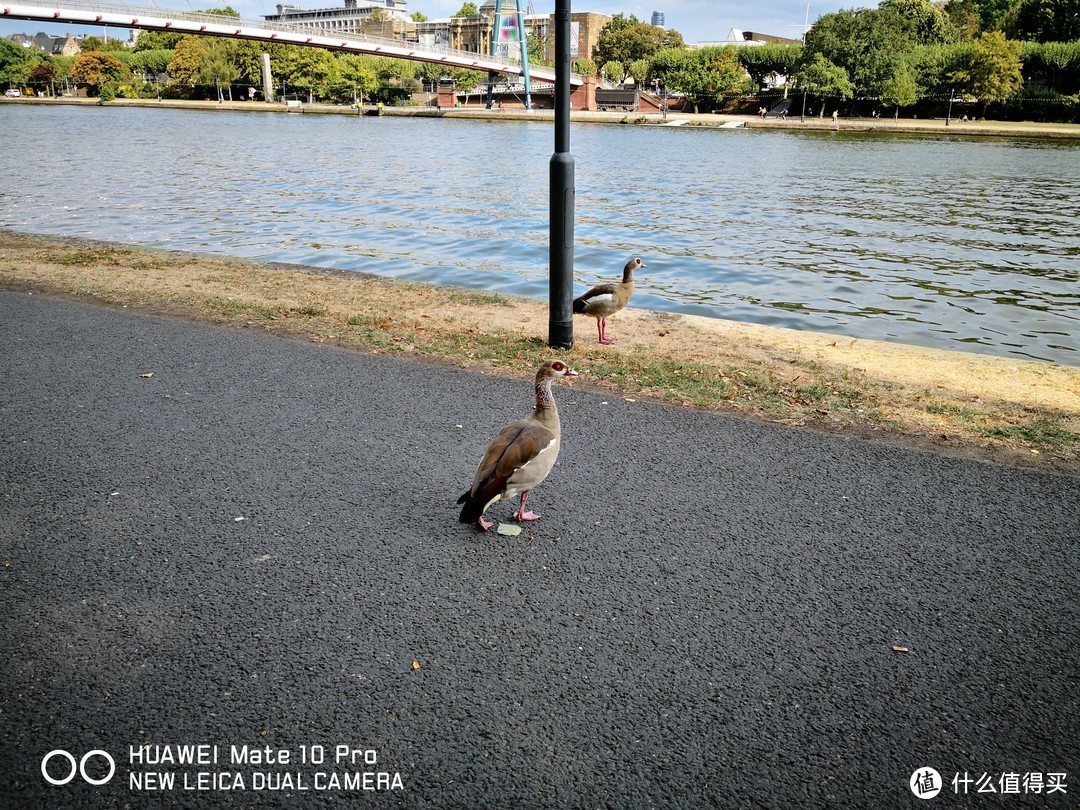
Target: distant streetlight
(948, 115)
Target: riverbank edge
(914, 126)
(1021, 413)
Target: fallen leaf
(896, 648)
(416, 664)
(508, 529)
(147, 375)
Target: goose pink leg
(601, 327)
(484, 523)
(521, 515)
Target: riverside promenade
(215, 537)
(885, 124)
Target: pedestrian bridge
(88, 12)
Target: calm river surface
(938, 241)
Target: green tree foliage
(1052, 65)
(627, 40)
(156, 41)
(584, 67)
(96, 69)
(964, 17)
(358, 75)
(820, 77)
(536, 49)
(993, 70)
(227, 11)
(220, 67)
(764, 60)
(870, 44)
(1043, 20)
(16, 63)
(187, 63)
(639, 70)
(613, 71)
(467, 10)
(924, 22)
(990, 12)
(705, 76)
(419, 16)
(248, 58)
(106, 46)
(902, 89)
(150, 63)
(43, 75)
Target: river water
(948, 242)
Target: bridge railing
(124, 9)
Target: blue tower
(508, 31)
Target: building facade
(353, 17)
(66, 45)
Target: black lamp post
(561, 176)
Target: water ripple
(935, 241)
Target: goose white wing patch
(604, 298)
(546, 448)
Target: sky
(696, 20)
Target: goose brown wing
(595, 292)
(514, 447)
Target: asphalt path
(256, 550)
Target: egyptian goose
(521, 456)
(604, 300)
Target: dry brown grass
(999, 409)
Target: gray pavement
(704, 617)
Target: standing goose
(604, 300)
(521, 456)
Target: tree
(613, 71)
(765, 60)
(870, 44)
(901, 90)
(156, 41)
(921, 20)
(219, 68)
(248, 60)
(704, 76)
(990, 12)
(1043, 20)
(97, 44)
(1053, 65)
(16, 63)
(96, 69)
(310, 69)
(188, 60)
(43, 75)
(626, 43)
(419, 16)
(823, 79)
(151, 63)
(467, 10)
(375, 20)
(639, 70)
(993, 72)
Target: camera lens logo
(79, 768)
(925, 783)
